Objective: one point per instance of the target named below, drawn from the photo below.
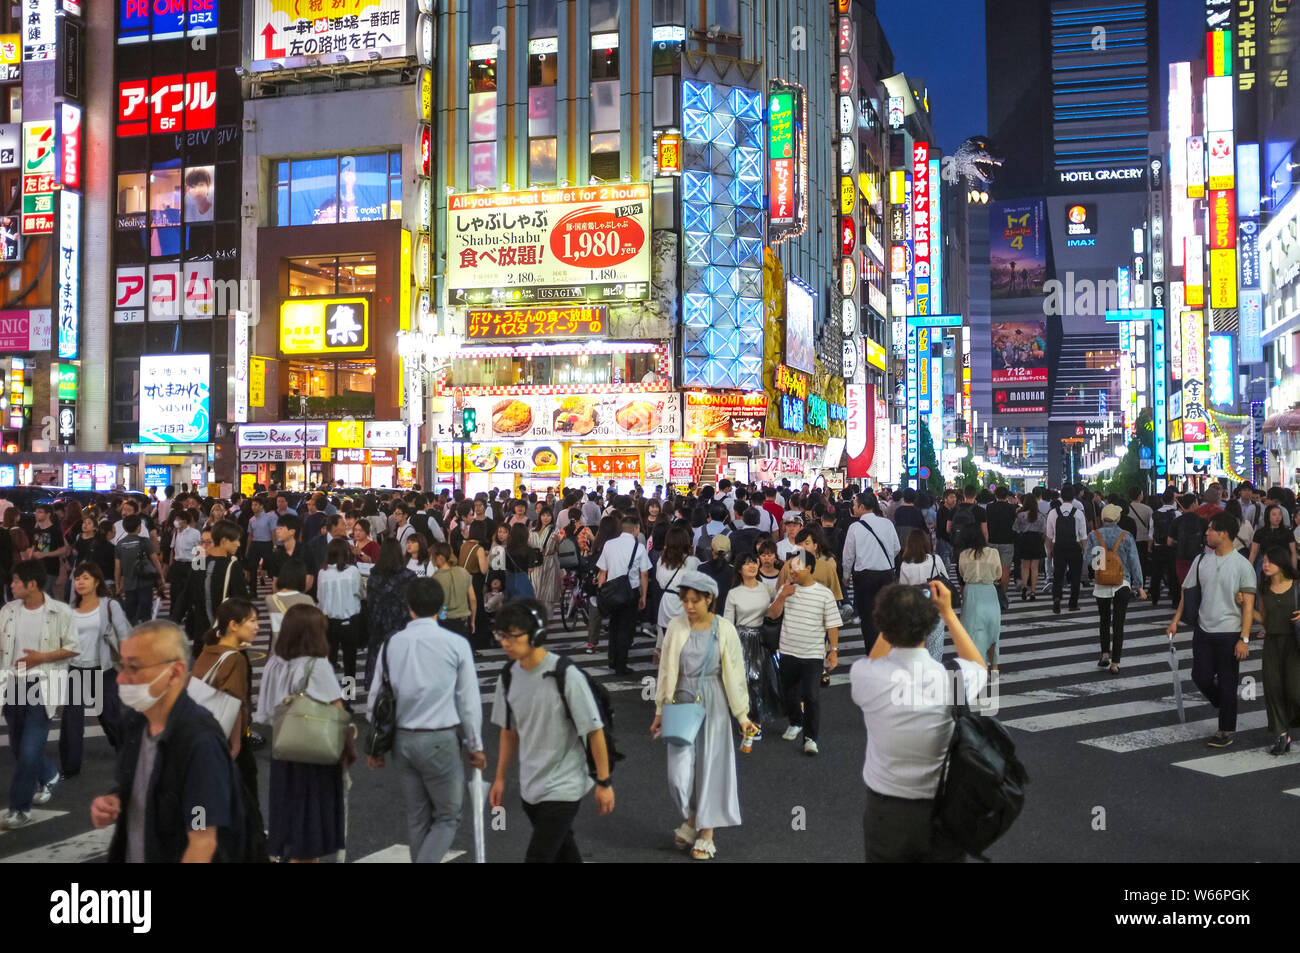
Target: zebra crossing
(1048, 685)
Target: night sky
(949, 55)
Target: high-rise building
(1073, 91)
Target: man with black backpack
(545, 707)
(136, 570)
(902, 692)
(1066, 531)
(715, 526)
(1162, 553)
(965, 514)
(1188, 535)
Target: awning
(1288, 420)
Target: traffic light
(471, 420)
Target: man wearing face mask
(37, 637)
(177, 796)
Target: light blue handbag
(680, 721)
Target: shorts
(1006, 552)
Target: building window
(603, 15)
(541, 18)
(126, 390)
(542, 119)
(604, 162)
(483, 122)
(350, 188)
(482, 21)
(332, 275)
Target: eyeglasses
(508, 637)
(134, 670)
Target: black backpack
(704, 548)
(1067, 526)
(982, 787)
(1162, 525)
(598, 692)
(1189, 535)
(962, 517)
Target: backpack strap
(505, 695)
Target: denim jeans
(73, 727)
(29, 730)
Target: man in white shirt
(870, 551)
(809, 618)
(624, 555)
(119, 533)
(905, 695)
(1066, 532)
(433, 678)
(404, 530)
(37, 637)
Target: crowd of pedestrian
(740, 594)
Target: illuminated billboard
(174, 398)
(351, 31)
(551, 245)
(1017, 249)
(324, 326)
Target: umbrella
(476, 806)
(1178, 682)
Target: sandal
(704, 850)
(684, 836)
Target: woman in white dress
(702, 660)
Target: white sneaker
(809, 746)
(46, 791)
(791, 733)
(15, 819)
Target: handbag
(383, 720)
(769, 632)
(617, 593)
(943, 581)
(681, 721)
(223, 705)
(308, 731)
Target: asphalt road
(1113, 775)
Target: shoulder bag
(681, 721)
(383, 721)
(1192, 600)
(943, 581)
(308, 731)
(223, 705)
(617, 593)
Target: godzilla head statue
(974, 162)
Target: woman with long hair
(386, 610)
(101, 626)
(676, 560)
(307, 800)
(980, 568)
(458, 603)
(224, 663)
(703, 659)
(1031, 549)
(545, 539)
(918, 567)
(1278, 607)
(1273, 533)
(497, 551)
(610, 528)
(474, 558)
(769, 565)
(338, 593)
(519, 559)
(418, 559)
(747, 603)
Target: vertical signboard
(787, 162)
(936, 240)
(859, 415)
(69, 274)
(1195, 418)
(239, 358)
(921, 225)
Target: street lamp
(425, 353)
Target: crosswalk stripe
(1106, 686)
(1087, 716)
(401, 854)
(92, 731)
(1174, 734)
(1234, 763)
(80, 849)
(38, 815)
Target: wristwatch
(1245, 639)
(607, 783)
